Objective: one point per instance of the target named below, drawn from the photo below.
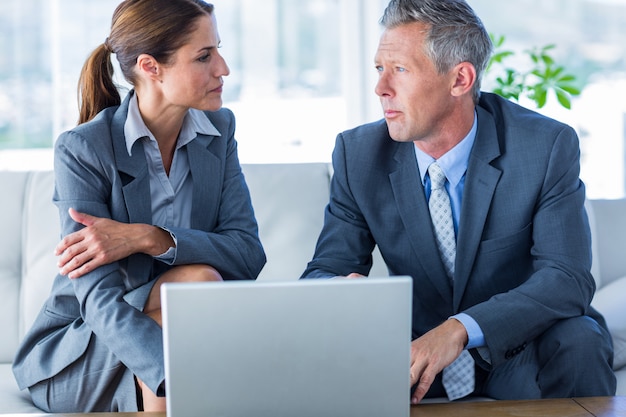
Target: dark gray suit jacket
(523, 246)
(95, 174)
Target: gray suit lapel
(411, 202)
(480, 184)
(206, 169)
(133, 170)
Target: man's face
(415, 98)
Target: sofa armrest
(610, 300)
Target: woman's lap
(97, 381)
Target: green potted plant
(543, 76)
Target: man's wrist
(475, 335)
(460, 330)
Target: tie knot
(437, 177)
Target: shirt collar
(454, 162)
(195, 123)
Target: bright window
(590, 38)
(302, 71)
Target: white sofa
(289, 201)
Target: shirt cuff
(475, 336)
(169, 255)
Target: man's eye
(400, 69)
(379, 68)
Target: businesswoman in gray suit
(149, 190)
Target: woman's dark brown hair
(154, 27)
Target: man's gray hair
(456, 34)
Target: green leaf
(567, 78)
(563, 98)
(534, 57)
(539, 74)
(499, 57)
(537, 83)
(547, 59)
(570, 89)
(540, 96)
(556, 71)
(497, 40)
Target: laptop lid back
(318, 347)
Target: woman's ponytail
(96, 90)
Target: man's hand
(434, 351)
(103, 241)
(352, 275)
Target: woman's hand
(103, 241)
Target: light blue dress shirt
(171, 195)
(454, 166)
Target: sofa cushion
(608, 224)
(300, 193)
(610, 301)
(41, 234)
(11, 245)
(595, 264)
(12, 400)
(288, 201)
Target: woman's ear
(148, 67)
(465, 78)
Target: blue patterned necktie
(441, 216)
(458, 377)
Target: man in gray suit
(517, 289)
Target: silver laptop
(318, 347)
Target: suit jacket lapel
(206, 169)
(133, 172)
(411, 202)
(480, 183)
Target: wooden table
(604, 406)
(570, 407)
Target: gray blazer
(94, 174)
(523, 245)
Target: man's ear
(149, 67)
(465, 78)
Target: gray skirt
(97, 381)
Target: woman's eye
(204, 58)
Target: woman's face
(195, 77)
